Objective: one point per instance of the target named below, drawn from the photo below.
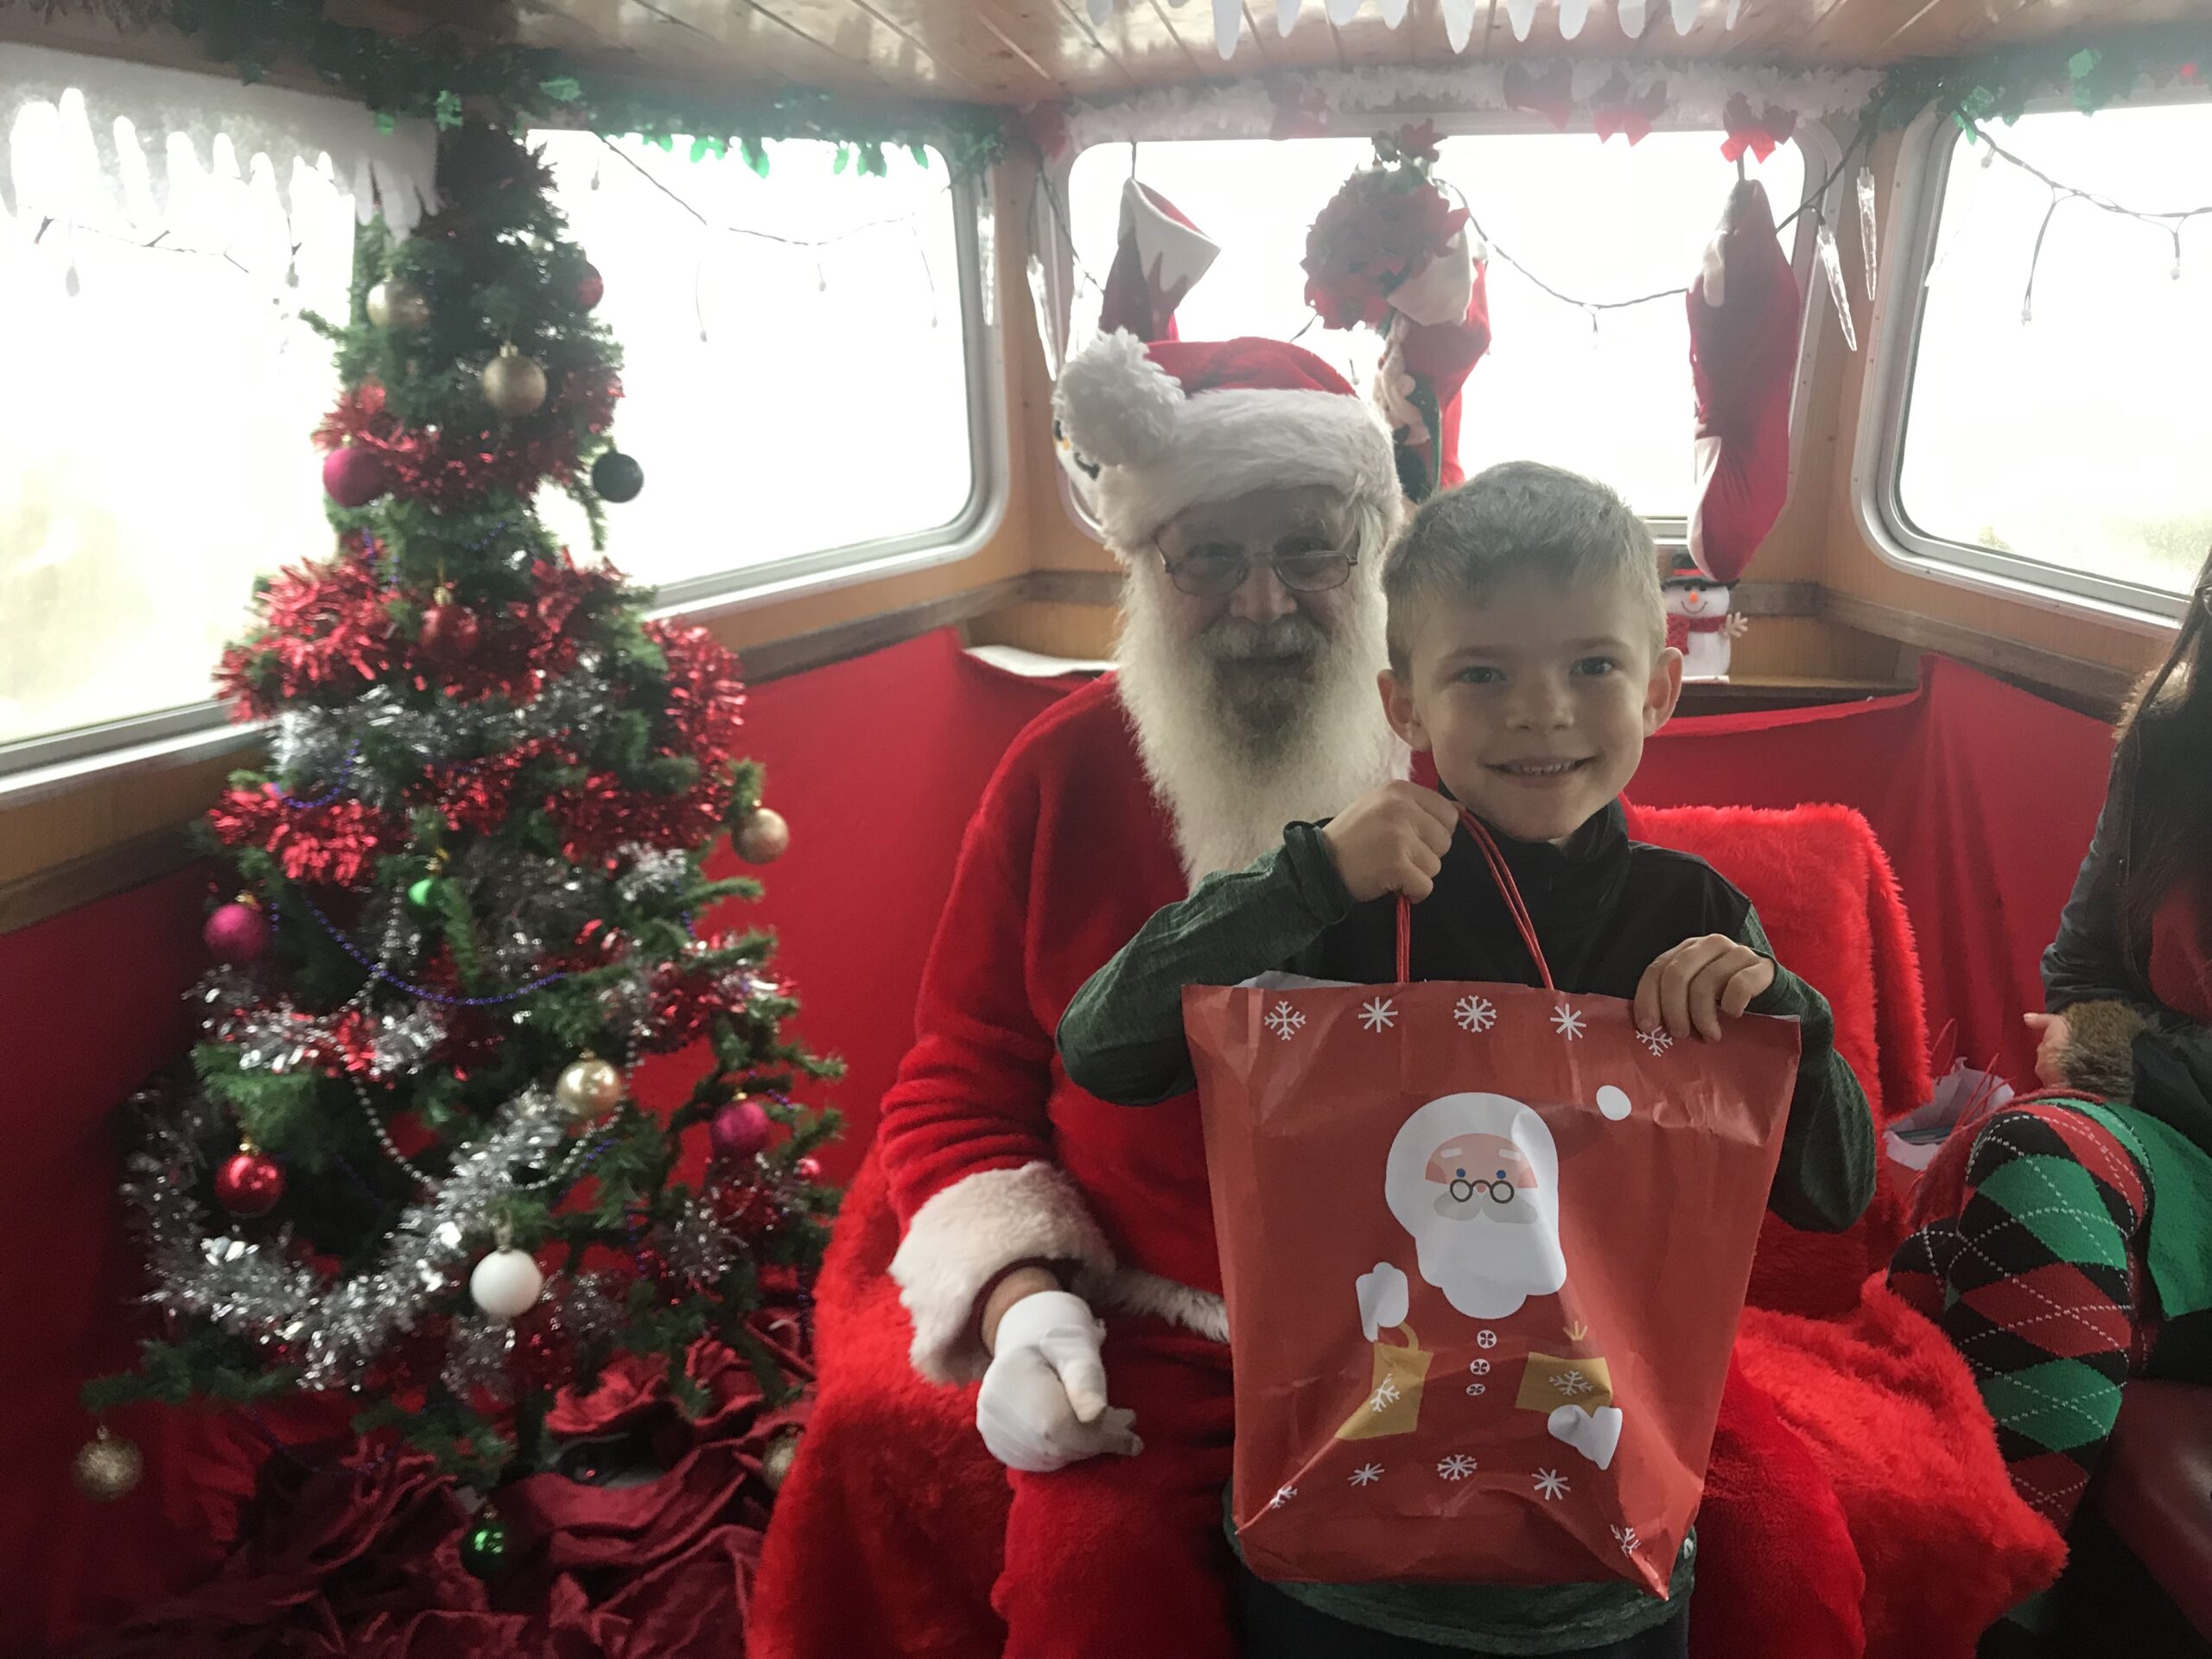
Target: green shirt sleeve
(1121, 1037)
(1826, 1178)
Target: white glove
(1384, 1299)
(1043, 1404)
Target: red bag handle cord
(1513, 905)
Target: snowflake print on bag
(1550, 1484)
(1283, 1495)
(1381, 1014)
(1657, 1041)
(1626, 1538)
(1367, 1474)
(1475, 1013)
(1457, 1466)
(1570, 1383)
(1385, 1395)
(1566, 1022)
(1284, 1021)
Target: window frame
(1925, 156)
(1817, 138)
(34, 768)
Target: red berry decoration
(740, 1129)
(237, 933)
(355, 476)
(591, 287)
(449, 634)
(250, 1182)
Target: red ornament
(740, 1129)
(355, 476)
(590, 287)
(237, 933)
(249, 1183)
(449, 634)
(808, 1170)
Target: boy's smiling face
(1534, 701)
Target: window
(153, 445)
(2060, 442)
(1614, 402)
(796, 354)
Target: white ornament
(506, 1283)
(1632, 13)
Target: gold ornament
(513, 384)
(397, 303)
(588, 1088)
(764, 837)
(108, 1466)
(776, 1461)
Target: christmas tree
(470, 898)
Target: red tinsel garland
(457, 469)
(333, 845)
(322, 624)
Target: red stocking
(1745, 314)
(1159, 255)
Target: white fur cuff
(969, 1233)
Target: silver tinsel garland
(696, 1244)
(333, 1328)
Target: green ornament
(484, 1547)
(422, 895)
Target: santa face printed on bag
(1474, 1178)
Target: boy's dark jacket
(1604, 908)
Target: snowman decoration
(1699, 622)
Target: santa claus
(1249, 493)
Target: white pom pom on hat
(1149, 430)
(1115, 405)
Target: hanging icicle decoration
(2035, 259)
(1735, 10)
(1685, 15)
(1831, 262)
(1460, 20)
(1868, 245)
(1572, 14)
(1048, 332)
(1287, 16)
(1521, 14)
(1632, 14)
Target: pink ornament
(590, 287)
(238, 934)
(354, 476)
(808, 1170)
(740, 1129)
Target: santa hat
(1148, 431)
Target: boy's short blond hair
(1519, 519)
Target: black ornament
(617, 477)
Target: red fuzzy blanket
(1855, 1483)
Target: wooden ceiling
(1026, 51)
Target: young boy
(1527, 658)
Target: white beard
(1230, 789)
(1485, 1266)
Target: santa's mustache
(1240, 640)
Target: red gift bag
(1484, 1247)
